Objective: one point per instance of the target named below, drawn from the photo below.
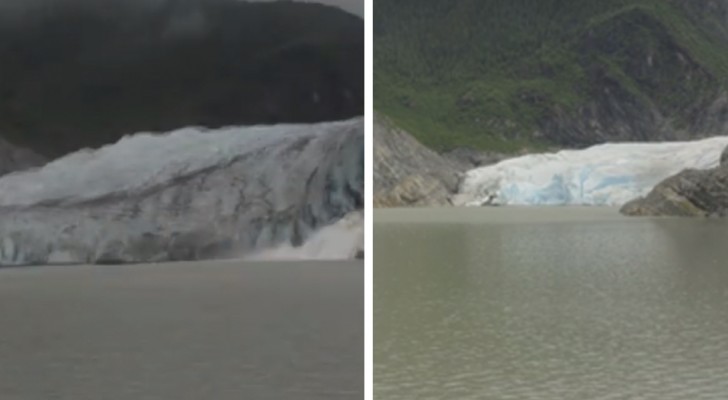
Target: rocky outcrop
(187, 195)
(406, 173)
(13, 158)
(691, 193)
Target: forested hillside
(81, 73)
(513, 74)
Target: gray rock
(406, 173)
(13, 158)
(691, 193)
(278, 194)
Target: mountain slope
(13, 158)
(406, 173)
(81, 73)
(508, 75)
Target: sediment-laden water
(549, 303)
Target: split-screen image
(363, 199)
(181, 199)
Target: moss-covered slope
(512, 74)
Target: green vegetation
(512, 74)
(79, 73)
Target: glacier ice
(342, 240)
(189, 194)
(608, 174)
(141, 161)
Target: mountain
(514, 75)
(13, 158)
(83, 73)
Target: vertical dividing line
(368, 204)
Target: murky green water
(190, 331)
(559, 303)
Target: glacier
(189, 194)
(603, 175)
(343, 240)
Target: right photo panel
(550, 182)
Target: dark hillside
(83, 73)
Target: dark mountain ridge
(81, 73)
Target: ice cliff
(184, 195)
(343, 240)
(608, 174)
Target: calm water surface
(192, 331)
(557, 303)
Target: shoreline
(509, 215)
(170, 264)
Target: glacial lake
(563, 303)
(188, 331)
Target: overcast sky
(352, 6)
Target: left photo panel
(182, 199)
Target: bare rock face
(13, 158)
(691, 193)
(189, 195)
(406, 173)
